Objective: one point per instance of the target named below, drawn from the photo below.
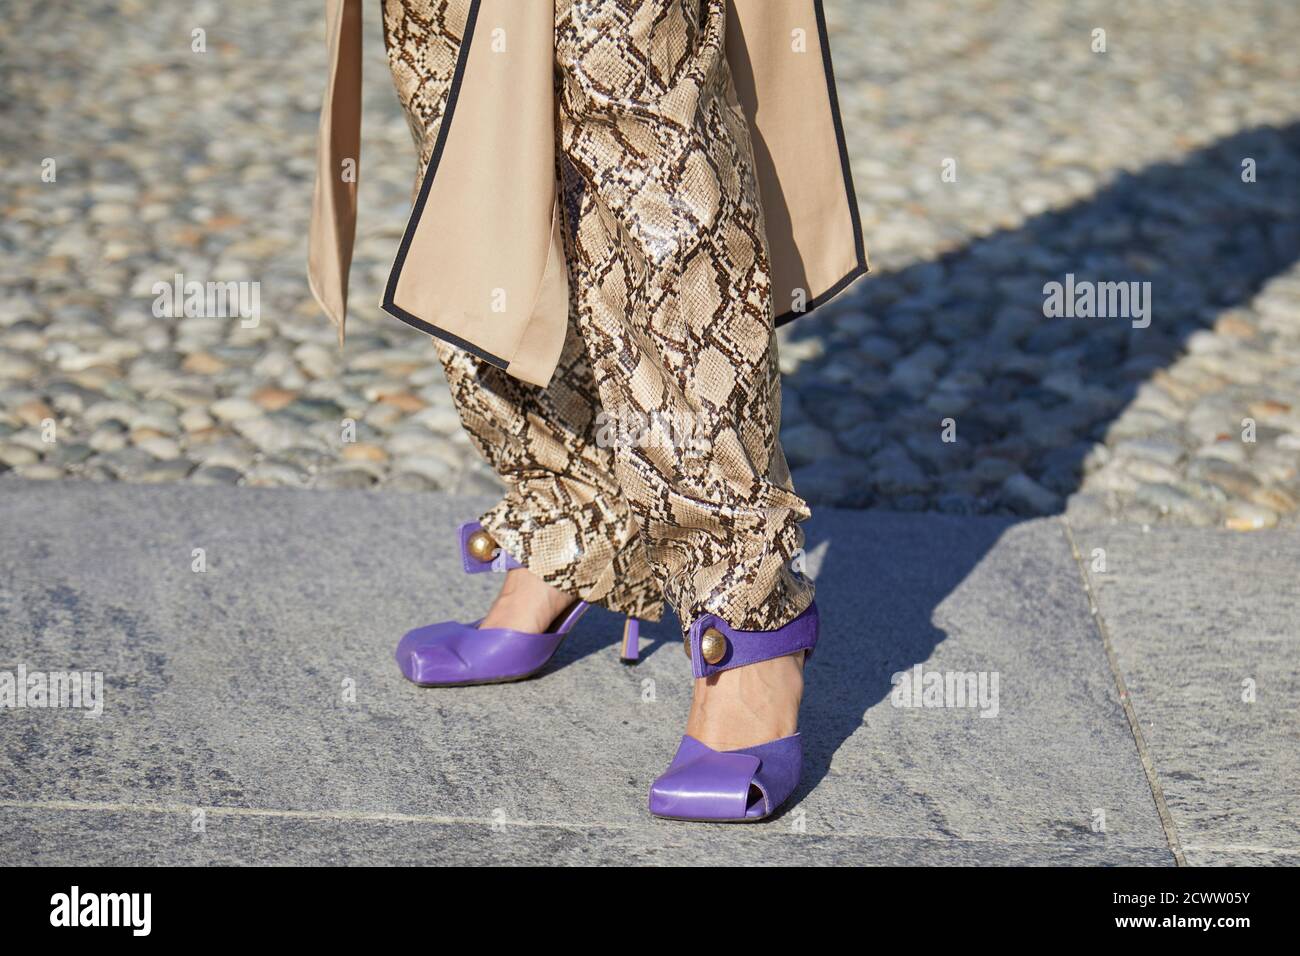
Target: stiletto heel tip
(631, 651)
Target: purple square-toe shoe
(452, 653)
(734, 786)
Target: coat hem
(450, 338)
(856, 272)
(453, 95)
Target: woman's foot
(526, 603)
(741, 757)
(748, 705)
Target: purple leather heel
(452, 653)
(734, 786)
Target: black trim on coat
(850, 195)
(856, 272)
(444, 127)
(453, 95)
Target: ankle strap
(747, 647)
(500, 561)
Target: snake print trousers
(650, 467)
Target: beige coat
(481, 263)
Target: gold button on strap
(713, 646)
(480, 546)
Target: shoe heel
(630, 653)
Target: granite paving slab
(1205, 627)
(263, 687)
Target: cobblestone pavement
(996, 149)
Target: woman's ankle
(526, 603)
(748, 705)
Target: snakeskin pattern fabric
(650, 467)
(423, 39)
